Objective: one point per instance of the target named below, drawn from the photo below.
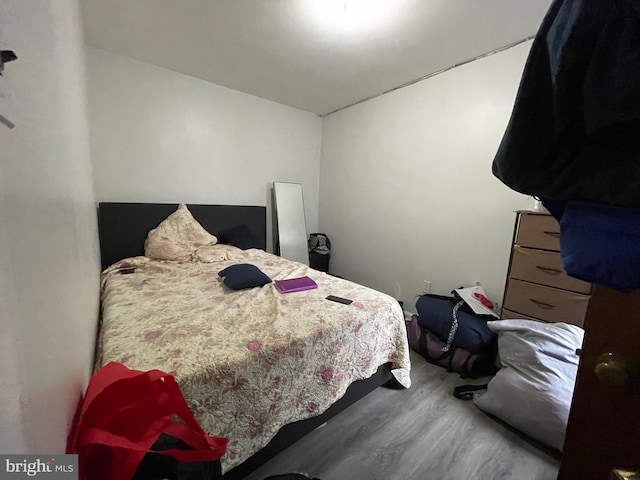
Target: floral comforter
(249, 361)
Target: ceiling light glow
(352, 16)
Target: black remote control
(333, 298)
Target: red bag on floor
(124, 413)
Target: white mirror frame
(290, 222)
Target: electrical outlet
(426, 288)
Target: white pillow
(534, 388)
(177, 237)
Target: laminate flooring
(420, 433)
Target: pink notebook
(295, 284)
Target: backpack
(319, 251)
(455, 359)
(319, 243)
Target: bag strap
(454, 326)
(465, 392)
(195, 440)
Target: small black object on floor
(290, 476)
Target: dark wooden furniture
(603, 427)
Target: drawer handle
(548, 269)
(553, 234)
(542, 304)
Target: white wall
(161, 136)
(49, 262)
(406, 190)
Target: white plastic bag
(533, 390)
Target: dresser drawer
(538, 231)
(546, 303)
(544, 267)
(509, 315)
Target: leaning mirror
(291, 230)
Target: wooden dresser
(537, 286)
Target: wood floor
(420, 433)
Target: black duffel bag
(454, 359)
(436, 313)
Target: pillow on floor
(533, 390)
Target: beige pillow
(215, 253)
(177, 237)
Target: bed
(257, 366)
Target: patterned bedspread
(249, 361)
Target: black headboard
(123, 227)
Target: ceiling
(315, 55)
